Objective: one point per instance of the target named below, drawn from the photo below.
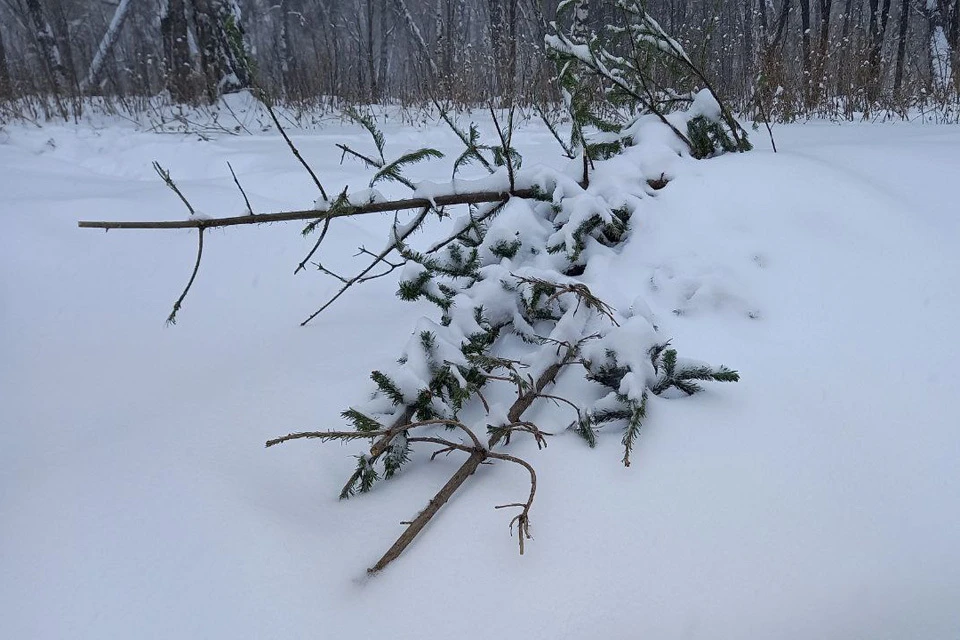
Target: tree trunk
(877, 27)
(495, 13)
(49, 48)
(901, 48)
(511, 50)
(781, 24)
(820, 75)
(223, 54)
(748, 59)
(805, 52)
(952, 11)
(384, 58)
(107, 43)
(6, 87)
(940, 49)
(288, 61)
(414, 30)
(176, 50)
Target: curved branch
(522, 520)
(172, 318)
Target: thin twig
(766, 120)
(323, 234)
(242, 192)
(359, 277)
(567, 151)
(522, 520)
(504, 144)
(165, 176)
(366, 160)
(172, 318)
(293, 148)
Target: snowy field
(818, 498)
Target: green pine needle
(368, 123)
(392, 171)
(388, 387)
(632, 430)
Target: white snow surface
(817, 498)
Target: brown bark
(477, 456)
(6, 88)
(49, 47)
(475, 197)
(901, 47)
(805, 50)
(176, 50)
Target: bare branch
(242, 192)
(323, 234)
(360, 276)
(165, 176)
(293, 148)
(417, 524)
(172, 318)
(472, 197)
(522, 520)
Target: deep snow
(819, 497)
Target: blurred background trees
(786, 58)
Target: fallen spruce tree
(511, 283)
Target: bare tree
(49, 47)
(904, 24)
(176, 50)
(107, 44)
(6, 88)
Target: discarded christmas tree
(510, 283)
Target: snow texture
(817, 498)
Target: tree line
(779, 59)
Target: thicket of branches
(781, 58)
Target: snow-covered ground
(817, 498)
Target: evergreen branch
(370, 125)
(580, 290)
(387, 387)
(325, 436)
(392, 171)
(586, 431)
(469, 141)
(632, 430)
